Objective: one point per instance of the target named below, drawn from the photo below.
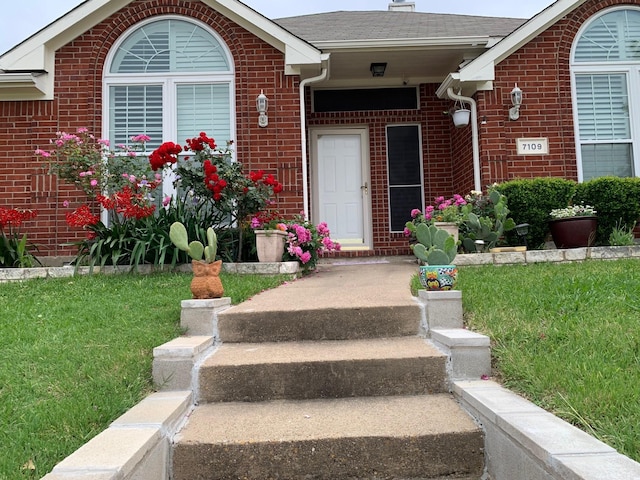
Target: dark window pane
(403, 150)
(402, 200)
(354, 100)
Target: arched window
(170, 79)
(606, 83)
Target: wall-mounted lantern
(262, 103)
(516, 101)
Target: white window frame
(632, 72)
(169, 82)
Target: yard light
(521, 230)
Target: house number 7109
(533, 146)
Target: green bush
(531, 200)
(617, 201)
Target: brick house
(358, 130)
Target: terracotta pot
(438, 277)
(206, 280)
(270, 245)
(574, 232)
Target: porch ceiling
(404, 67)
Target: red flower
(167, 153)
(81, 217)
(15, 217)
(197, 144)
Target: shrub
(617, 201)
(531, 200)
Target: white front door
(341, 185)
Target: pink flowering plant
(453, 210)
(306, 242)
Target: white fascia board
(403, 43)
(483, 67)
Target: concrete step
(408, 437)
(327, 369)
(244, 323)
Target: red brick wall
(26, 126)
(542, 70)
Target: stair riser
(329, 324)
(334, 459)
(337, 379)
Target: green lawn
(77, 353)
(566, 336)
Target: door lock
(365, 188)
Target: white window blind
(612, 37)
(135, 110)
(603, 107)
(204, 108)
(170, 46)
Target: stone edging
(16, 274)
(554, 256)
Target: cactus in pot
(435, 246)
(195, 249)
(206, 280)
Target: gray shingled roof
(387, 25)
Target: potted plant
(206, 273)
(437, 249)
(271, 235)
(573, 226)
(446, 214)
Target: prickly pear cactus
(435, 246)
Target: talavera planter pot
(574, 232)
(270, 245)
(437, 278)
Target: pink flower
(140, 138)
(65, 203)
(103, 142)
(44, 153)
(83, 130)
(323, 229)
(255, 222)
(166, 200)
(406, 232)
(305, 257)
(415, 212)
(94, 182)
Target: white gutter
(474, 135)
(303, 127)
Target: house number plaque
(533, 146)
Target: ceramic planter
(270, 245)
(573, 232)
(451, 227)
(438, 277)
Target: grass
(77, 354)
(566, 336)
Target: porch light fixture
(378, 69)
(516, 100)
(261, 104)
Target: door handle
(365, 188)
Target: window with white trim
(169, 79)
(606, 84)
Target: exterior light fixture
(261, 104)
(479, 246)
(516, 100)
(377, 69)
(521, 230)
